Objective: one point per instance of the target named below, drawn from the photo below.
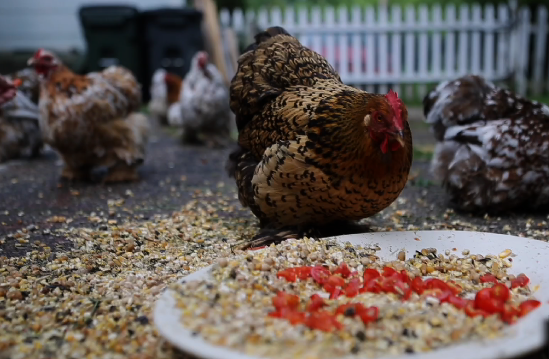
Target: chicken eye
(378, 118)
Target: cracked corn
(96, 300)
(231, 307)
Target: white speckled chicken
(92, 120)
(19, 129)
(493, 145)
(205, 113)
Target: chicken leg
(75, 174)
(121, 172)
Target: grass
(542, 98)
(423, 153)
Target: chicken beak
(400, 138)
(31, 61)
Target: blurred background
(407, 45)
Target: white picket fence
(400, 46)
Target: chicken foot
(268, 235)
(121, 172)
(76, 174)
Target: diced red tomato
(285, 300)
(388, 272)
(488, 278)
(336, 281)
(336, 293)
(320, 274)
(316, 303)
(405, 277)
(322, 320)
(520, 281)
(403, 289)
(510, 314)
(351, 290)
(333, 282)
(303, 272)
(449, 297)
(279, 313)
(295, 317)
(343, 270)
(417, 285)
(373, 286)
(528, 306)
(454, 287)
(388, 284)
(435, 283)
(500, 292)
(471, 311)
(288, 274)
(486, 302)
(369, 315)
(370, 274)
(336, 323)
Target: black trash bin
(114, 35)
(172, 38)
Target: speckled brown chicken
(312, 152)
(493, 145)
(92, 120)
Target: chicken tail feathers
(241, 166)
(265, 35)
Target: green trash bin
(114, 37)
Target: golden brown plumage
(312, 150)
(92, 120)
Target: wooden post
(212, 34)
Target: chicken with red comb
(314, 155)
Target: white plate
(526, 335)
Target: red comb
(38, 53)
(396, 103)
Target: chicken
(8, 90)
(204, 105)
(19, 130)
(493, 145)
(165, 92)
(311, 150)
(91, 120)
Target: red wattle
(395, 146)
(385, 144)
